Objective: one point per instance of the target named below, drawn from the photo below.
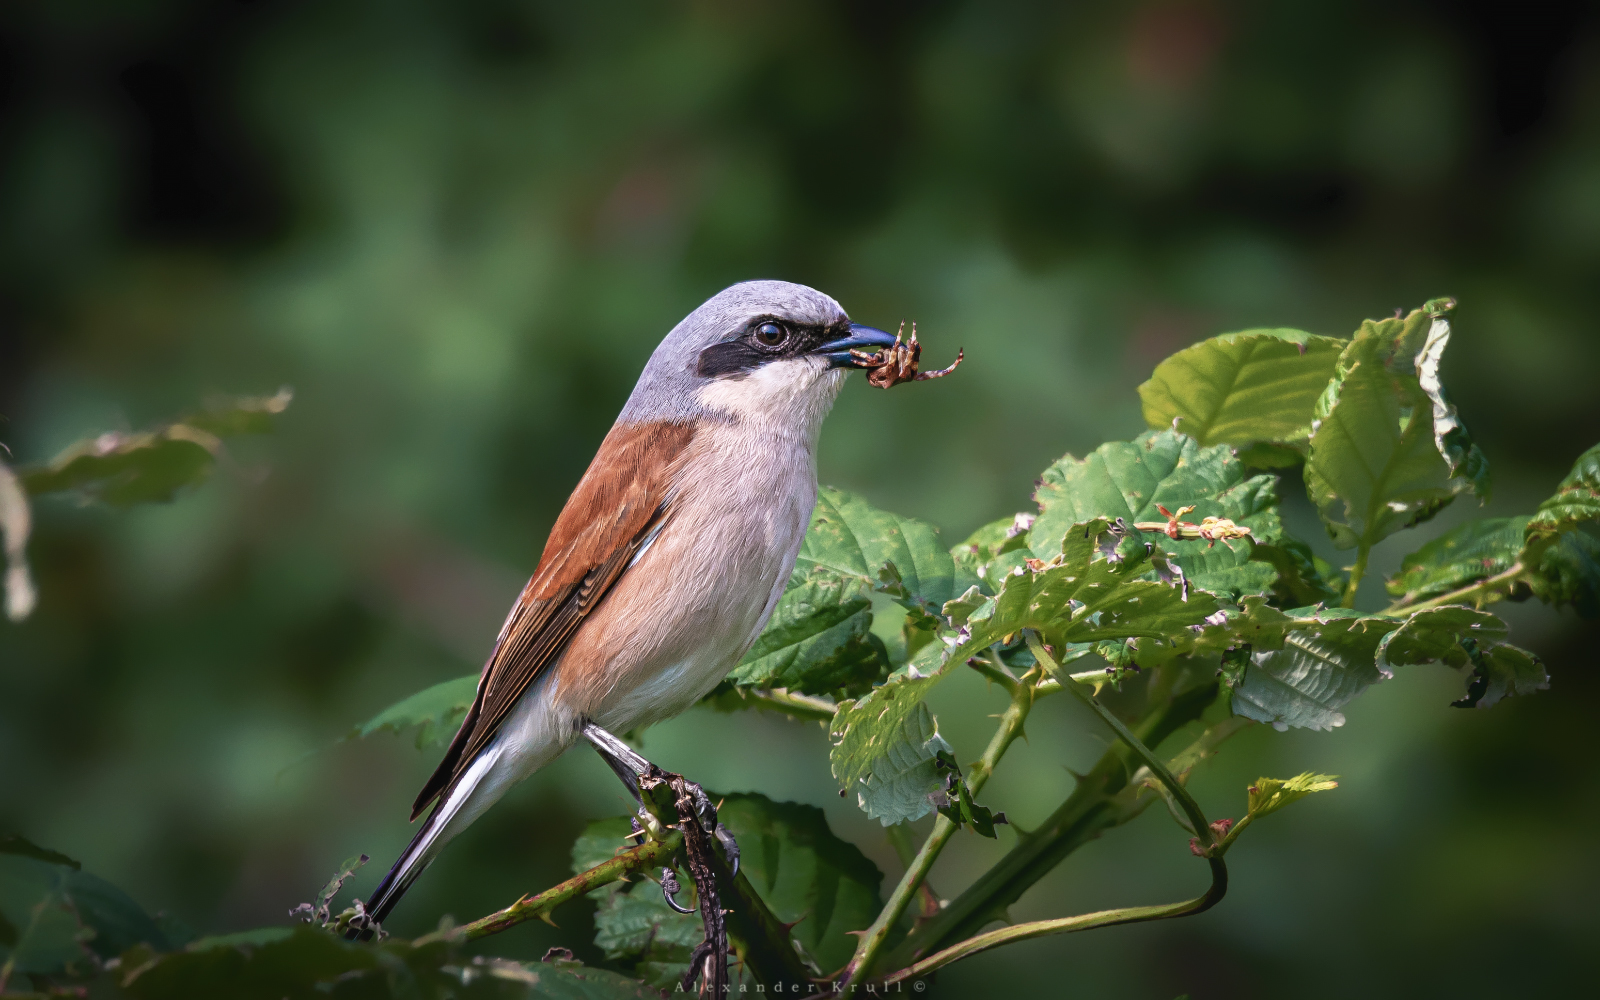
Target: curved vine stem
(1066, 925)
(1105, 918)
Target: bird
(667, 560)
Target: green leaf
(1576, 500)
(885, 752)
(1305, 664)
(804, 873)
(1268, 795)
(854, 539)
(1502, 671)
(438, 710)
(818, 639)
(1242, 388)
(639, 925)
(16, 522)
(1256, 624)
(958, 804)
(1561, 548)
(152, 466)
(1466, 638)
(1081, 595)
(1450, 635)
(58, 914)
(729, 697)
(957, 611)
(1132, 479)
(241, 415)
(1304, 684)
(1388, 452)
(1568, 570)
(1464, 555)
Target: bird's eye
(770, 334)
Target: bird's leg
(697, 818)
(630, 767)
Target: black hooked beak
(862, 338)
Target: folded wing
(622, 500)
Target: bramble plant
(1157, 570)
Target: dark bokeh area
(457, 229)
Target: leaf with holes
(885, 750)
(1240, 389)
(1080, 597)
(1450, 635)
(1133, 479)
(994, 550)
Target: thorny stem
(991, 666)
(900, 839)
(872, 940)
(1064, 925)
(1456, 596)
(635, 859)
(1357, 571)
(1158, 767)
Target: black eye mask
(745, 353)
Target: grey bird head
(767, 352)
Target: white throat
(788, 398)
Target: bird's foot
(667, 799)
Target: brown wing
(620, 501)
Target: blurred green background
(458, 228)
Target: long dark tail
(402, 874)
